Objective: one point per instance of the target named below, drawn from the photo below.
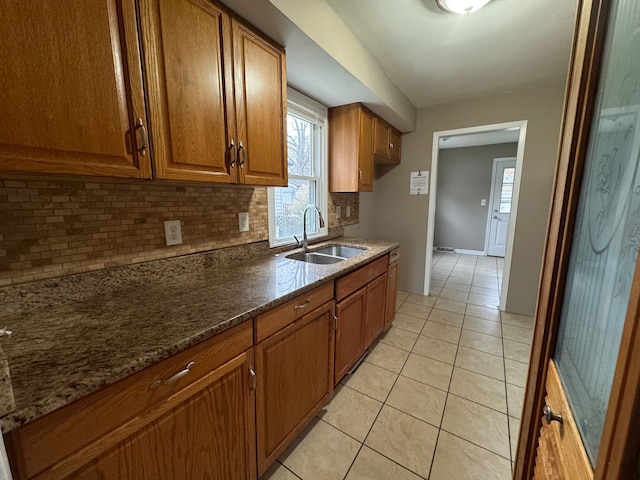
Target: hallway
(438, 397)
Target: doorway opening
(479, 135)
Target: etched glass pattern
(507, 190)
(606, 235)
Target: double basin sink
(327, 255)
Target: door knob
(550, 416)
(495, 217)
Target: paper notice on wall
(419, 183)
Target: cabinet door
(381, 138)
(349, 341)
(187, 50)
(72, 89)
(295, 379)
(260, 93)
(211, 434)
(395, 145)
(392, 292)
(376, 310)
(365, 154)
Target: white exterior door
(504, 170)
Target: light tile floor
(438, 397)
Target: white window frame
(308, 109)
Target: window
(307, 156)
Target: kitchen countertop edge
(42, 404)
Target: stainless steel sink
(327, 255)
(340, 251)
(313, 257)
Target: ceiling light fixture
(462, 7)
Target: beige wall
(464, 179)
(401, 217)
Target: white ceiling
(436, 57)
(411, 50)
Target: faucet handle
(297, 241)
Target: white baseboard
(469, 252)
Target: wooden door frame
(621, 436)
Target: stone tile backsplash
(51, 227)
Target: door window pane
(606, 236)
(507, 190)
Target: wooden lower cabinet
(392, 289)
(208, 435)
(198, 423)
(294, 370)
(376, 309)
(349, 345)
(360, 315)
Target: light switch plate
(348, 211)
(243, 221)
(173, 232)
(338, 211)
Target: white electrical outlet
(338, 211)
(243, 221)
(483, 202)
(173, 232)
(348, 211)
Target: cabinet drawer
(394, 256)
(358, 279)
(50, 439)
(277, 318)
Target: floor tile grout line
(446, 399)
(289, 470)
(375, 419)
(506, 394)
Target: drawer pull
(174, 378)
(304, 305)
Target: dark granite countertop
(75, 337)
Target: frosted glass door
(606, 235)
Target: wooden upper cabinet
(72, 89)
(350, 149)
(260, 93)
(217, 95)
(387, 142)
(187, 50)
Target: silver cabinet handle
(242, 154)
(359, 174)
(234, 154)
(550, 416)
(142, 137)
(254, 378)
(174, 378)
(336, 322)
(304, 305)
